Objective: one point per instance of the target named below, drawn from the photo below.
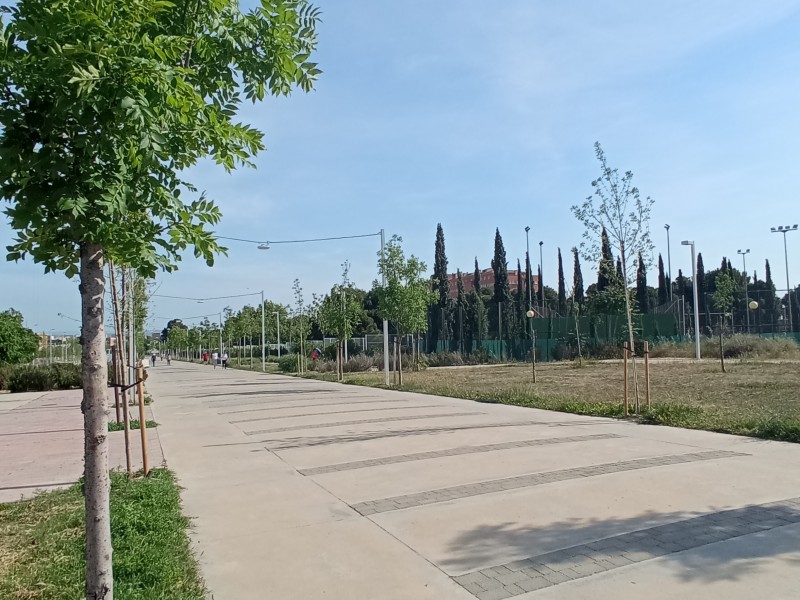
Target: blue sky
(481, 115)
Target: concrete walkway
(303, 489)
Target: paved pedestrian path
(41, 442)
(304, 489)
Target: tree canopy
(18, 344)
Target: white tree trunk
(94, 371)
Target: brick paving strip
(340, 423)
(332, 412)
(389, 460)
(585, 560)
(261, 403)
(523, 481)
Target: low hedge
(40, 378)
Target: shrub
(42, 378)
(288, 363)
(735, 346)
(446, 359)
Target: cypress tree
(771, 303)
(730, 266)
(541, 288)
(476, 278)
(663, 292)
(641, 287)
(439, 317)
(577, 279)
(701, 284)
(528, 282)
(620, 275)
(605, 269)
(724, 266)
(502, 295)
(680, 284)
(522, 300)
(462, 313)
(562, 289)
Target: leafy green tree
(18, 344)
(617, 209)
(404, 298)
(724, 292)
(340, 311)
(105, 106)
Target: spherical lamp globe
(530, 314)
(753, 305)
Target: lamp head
(666, 226)
(530, 314)
(527, 229)
(263, 246)
(686, 243)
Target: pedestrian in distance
(224, 360)
(214, 359)
(153, 358)
(205, 358)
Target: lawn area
(756, 398)
(42, 543)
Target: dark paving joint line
(364, 421)
(585, 560)
(38, 486)
(523, 481)
(263, 408)
(389, 460)
(333, 412)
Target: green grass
(133, 424)
(42, 543)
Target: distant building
(487, 281)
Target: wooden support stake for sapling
(647, 372)
(125, 415)
(721, 349)
(625, 378)
(115, 381)
(142, 419)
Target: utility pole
(385, 322)
(541, 274)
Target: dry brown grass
(754, 397)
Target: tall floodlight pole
(385, 322)
(746, 298)
(695, 302)
(784, 230)
(669, 264)
(263, 338)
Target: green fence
(600, 337)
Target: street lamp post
(385, 322)
(746, 298)
(784, 230)
(669, 264)
(696, 309)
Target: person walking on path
(214, 358)
(153, 358)
(224, 360)
(205, 358)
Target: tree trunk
(629, 316)
(94, 371)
